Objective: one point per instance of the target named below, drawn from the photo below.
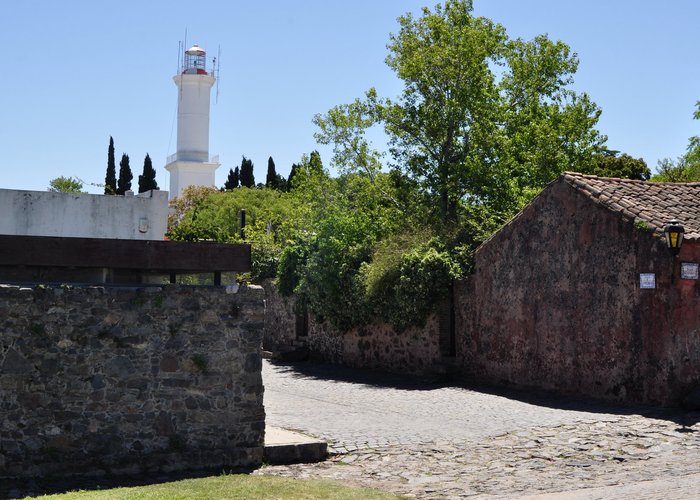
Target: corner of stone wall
(101, 380)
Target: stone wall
(122, 381)
(374, 346)
(555, 302)
(378, 346)
(280, 320)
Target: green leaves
(66, 185)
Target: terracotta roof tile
(655, 203)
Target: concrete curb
(287, 447)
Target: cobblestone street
(415, 438)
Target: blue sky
(76, 72)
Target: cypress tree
(111, 176)
(292, 174)
(147, 180)
(125, 175)
(232, 181)
(247, 178)
(271, 181)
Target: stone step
(283, 446)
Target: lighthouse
(191, 164)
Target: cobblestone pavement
(419, 439)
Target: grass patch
(233, 486)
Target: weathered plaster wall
(375, 346)
(39, 213)
(555, 302)
(116, 380)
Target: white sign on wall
(647, 280)
(689, 270)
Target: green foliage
(292, 174)
(233, 179)
(687, 167)
(643, 226)
(609, 164)
(147, 180)
(292, 261)
(111, 175)
(482, 118)
(66, 185)
(483, 123)
(125, 175)
(272, 179)
(205, 214)
(408, 275)
(680, 170)
(247, 178)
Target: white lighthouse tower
(191, 164)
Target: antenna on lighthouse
(184, 48)
(217, 73)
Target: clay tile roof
(655, 203)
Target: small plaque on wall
(647, 280)
(689, 270)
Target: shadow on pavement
(533, 396)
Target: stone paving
(425, 440)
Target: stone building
(580, 294)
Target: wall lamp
(674, 239)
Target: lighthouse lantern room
(195, 61)
(191, 164)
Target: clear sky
(76, 72)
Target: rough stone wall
(280, 319)
(378, 346)
(115, 380)
(555, 303)
(375, 346)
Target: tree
(483, 120)
(232, 181)
(111, 176)
(292, 173)
(687, 167)
(125, 175)
(147, 181)
(612, 164)
(272, 179)
(246, 176)
(315, 164)
(66, 185)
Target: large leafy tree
(111, 175)
(125, 175)
(613, 164)
(483, 120)
(247, 177)
(147, 180)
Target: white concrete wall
(40, 213)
